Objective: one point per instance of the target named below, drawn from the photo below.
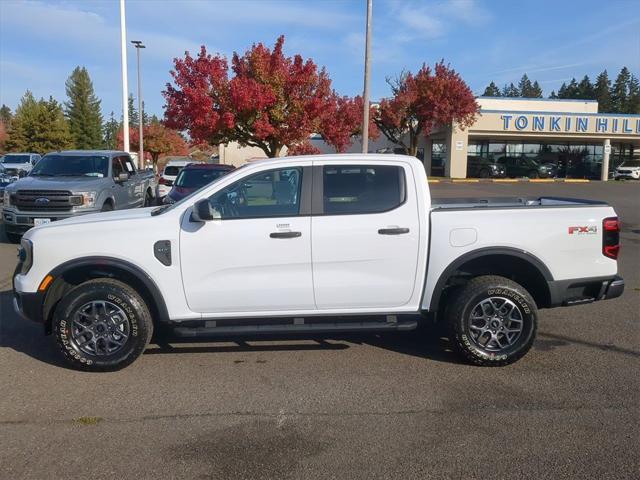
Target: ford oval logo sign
(42, 201)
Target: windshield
(631, 163)
(197, 177)
(15, 159)
(72, 166)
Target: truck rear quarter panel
(547, 233)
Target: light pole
(138, 44)
(365, 95)
(125, 89)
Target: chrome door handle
(285, 234)
(393, 231)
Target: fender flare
(123, 265)
(484, 252)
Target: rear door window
(354, 189)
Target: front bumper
(19, 222)
(29, 306)
(584, 290)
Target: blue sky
(42, 41)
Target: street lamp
(138, 44)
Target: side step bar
(341, 327)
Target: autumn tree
(268, 101)
(421, 102)
(342, 122)
(82, 109)
(157, 140)
(303, 148)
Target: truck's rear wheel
(102, 325)
(492, 321)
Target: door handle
(393, 231)
(285, 234)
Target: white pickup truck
(317, 244)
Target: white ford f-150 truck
(317, 244)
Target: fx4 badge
(588, 230)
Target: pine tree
(54, 132)
(619, 91)
(536, 90)
(553, 95)
(492, 90)
(5, 114)
(38, 126)
(134, 118)
(82, 109)
(585, 89)
(602, 92)
(525, 86)
(22, 124)
(569, 91)
(110, 132)
(510, 91)
(633, 100)
(562, 91)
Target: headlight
(25, 255)
(6, 198)
(83, 199)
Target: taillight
(611, 237)
(162, 181)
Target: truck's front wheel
(493, 321)
(102, 325)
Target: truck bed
(510, 202)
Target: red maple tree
(304, 148)
(157, 140)
(343, 121)
(271, 101)
(421, 102)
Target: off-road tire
(107, 207)
(465, 300)
(116, 293)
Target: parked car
(629, 169)
(527, 167)
(316, 244)
(71, 183)
(18, 164)
(484, 168)
(169, 175)
(193, 177)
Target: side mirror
(123, 177)
(204, 212)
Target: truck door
(257, 256)
(366, 236)
(134, 184)
(120, 192)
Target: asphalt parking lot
(366, 406)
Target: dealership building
(569, 135)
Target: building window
(438, 158)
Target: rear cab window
(360, 189)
